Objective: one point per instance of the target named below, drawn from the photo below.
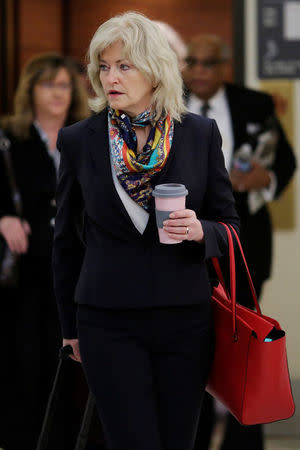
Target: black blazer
(252, 107)
(119, 267)
(36, 180)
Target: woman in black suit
(144, 330)
(49, 95)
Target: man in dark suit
(243, 116)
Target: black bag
(9, 267)
(82, 438)
(9, 262)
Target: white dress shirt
(218, 110)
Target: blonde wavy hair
(146, 46)
(44, 67)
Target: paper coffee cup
(169, 197)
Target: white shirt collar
(216, 102)
(219, 110)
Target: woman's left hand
(184, 225)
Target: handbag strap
(217, 267)
(232, 271)
(253, 292)
(15, 193)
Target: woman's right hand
(75, 346)
(15, 232)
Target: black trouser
(147, 369)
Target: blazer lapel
(110, 204)
(162, 176)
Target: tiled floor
(283, 444)
(270, 443)
(276, 444)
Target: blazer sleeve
(68, 249)
(285, 162)
(219, 204)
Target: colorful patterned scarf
(134, 170)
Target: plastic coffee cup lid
(170, 190)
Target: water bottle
(242, 158)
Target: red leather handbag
(250, 373)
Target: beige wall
(281, 298)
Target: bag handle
(232, 271)
(253, 292)
(232, 294)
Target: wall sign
(278, 24)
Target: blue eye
(124, 67)
(103, 68)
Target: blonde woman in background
(49, 96)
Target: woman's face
(52, 98)
(125, 87)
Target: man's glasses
(51, 85)
(209, 63)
